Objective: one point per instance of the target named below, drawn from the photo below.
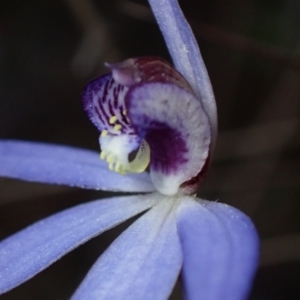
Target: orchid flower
(153, 117)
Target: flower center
(144, 104)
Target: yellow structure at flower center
(118, 158)
(122, 165)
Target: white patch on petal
(185, 146)
(116, 150)
(167, 185)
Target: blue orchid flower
(150, 115)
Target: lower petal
(143, 263)
(33, 249)
(220, 248)
(65, 165)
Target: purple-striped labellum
(145, 105)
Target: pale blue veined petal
(31, 250)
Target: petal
(185, 53)
(174, 124)
(220, 248)
(33, 249)
(143, 263)
(65, 165)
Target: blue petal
(186, 55)
(143, 263)
(220, 248)
(33, 249)
(65, 165)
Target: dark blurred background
(50, 49)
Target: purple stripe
(99, 115)
(116, 93)
(102, 110)
(111, 82)
(105, 91)
(110, 107)
(123, 117)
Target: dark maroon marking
(192, 184)
(116, 92)
(106, 116)
(110, 108)
(111, 82)
(99, 115)
(125, 121)
(122, 123)
(105, 91)
(123, 117)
